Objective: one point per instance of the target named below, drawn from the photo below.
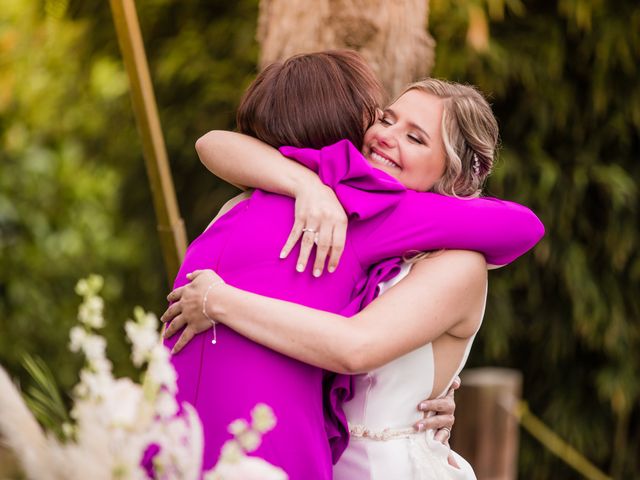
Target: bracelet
(214, 340)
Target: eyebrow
(411, 124)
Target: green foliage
(43, 397)
(59, 192)
(563, 79)
(74, 196)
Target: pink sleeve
(500, 230)
(394, 221)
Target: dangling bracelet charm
(204, 310)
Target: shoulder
(462, 275)
(230, 204)
(234, 201)
(466, 263)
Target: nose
(386, 137)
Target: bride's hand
(444, 409)
(321, 220)
(186, 309)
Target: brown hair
(311, 100)
(470, 135)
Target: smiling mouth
(378, 158)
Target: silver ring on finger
(315, 233)
(448, 431)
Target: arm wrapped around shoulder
(399, 220)
(500, 230)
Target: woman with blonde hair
(409, 343)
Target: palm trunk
(391, 34)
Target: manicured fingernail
(300, 267)
(317, 272)
(283, 254)
(420, 427)
(422, 405)
(331, 269)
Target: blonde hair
(470, 135)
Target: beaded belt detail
(360, 431)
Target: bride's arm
(243, 160)
(443, 293)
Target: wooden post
(173, 238)
(485, 433)
(9, 467)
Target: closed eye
(415, 139)
(385, 121)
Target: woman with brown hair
(385, 220)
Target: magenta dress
(225, 381)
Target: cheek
(432, 165)
(368, 135)
(426, 171)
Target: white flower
(160, 371)
(262, 418)
(94, 384)
(166, 405)
(177, 428)
(247, 468)
(121, 402)
(149, 320)
(67, 430)
(144, 337)
(238, 427)
(94, 347)
(249, 440)
(117, 420)
(77, 337)
(90, 312)
(82, 287)
(90, 285)
(101, 365)
(231, 452)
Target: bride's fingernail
(283, 254)
(316, 272)
(422, 405)
(300, 267)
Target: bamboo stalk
(171, 229)
(555, 444)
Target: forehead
(419, 107)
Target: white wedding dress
(383, 443)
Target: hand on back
(320, 221)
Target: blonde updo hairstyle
(469, 132)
